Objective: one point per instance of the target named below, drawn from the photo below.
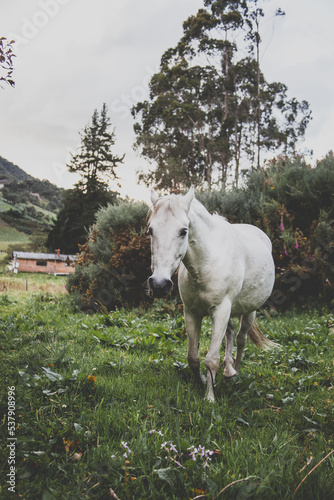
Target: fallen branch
(301, 482)
(233, 483)
(226, 487)
(300, 459)
(113, 495)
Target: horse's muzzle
(159, 288)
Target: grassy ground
(10, 236)
(107, 404)
(31, 283)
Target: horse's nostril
(168, 285)
(160, 288)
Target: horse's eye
(150, 231)
(184, 232)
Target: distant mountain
(24, 188)
(27, 204)
(10, 171)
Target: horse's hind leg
(246, 322)
(229, 371)
(193, 329)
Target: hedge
(292, 202)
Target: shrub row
(292, 202)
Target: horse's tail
(260, 340)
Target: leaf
(53, 376)
(47, 495)
(289, 399)
(25, 377)
(179, 365)
(167, 475)
(184, 444)
(242, 421)
(190, 464)
(311, 421)
(75, 373)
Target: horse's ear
(154, 197)
(188, 198)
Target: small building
(3, 182)
(48, 263)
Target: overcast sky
(74, 55)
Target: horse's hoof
(231, 372)
(201, 379)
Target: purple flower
(202, 453)
(281, 226)
(153, 431)
(125, 445)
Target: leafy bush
(294, 204)
(115, 260)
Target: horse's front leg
(193, 329)
(220, 319)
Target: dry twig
(226, 487)
(301, 482)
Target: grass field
(106, 407)
(4, 206)
(10, 236)
(32, 283)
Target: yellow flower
(91, 379)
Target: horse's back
(237, 263)
(259, 268)
(250, 233)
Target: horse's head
(168, 228)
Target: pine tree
(96, 164)
(95, 161)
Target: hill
(28, 205)
(10, 171)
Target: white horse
(224, 270)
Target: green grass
(89, 389)
(25, 284)
(10, 236)
(4, 206)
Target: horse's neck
(200, 226)
(199, 213)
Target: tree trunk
(258, 111)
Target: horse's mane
(171, 203)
